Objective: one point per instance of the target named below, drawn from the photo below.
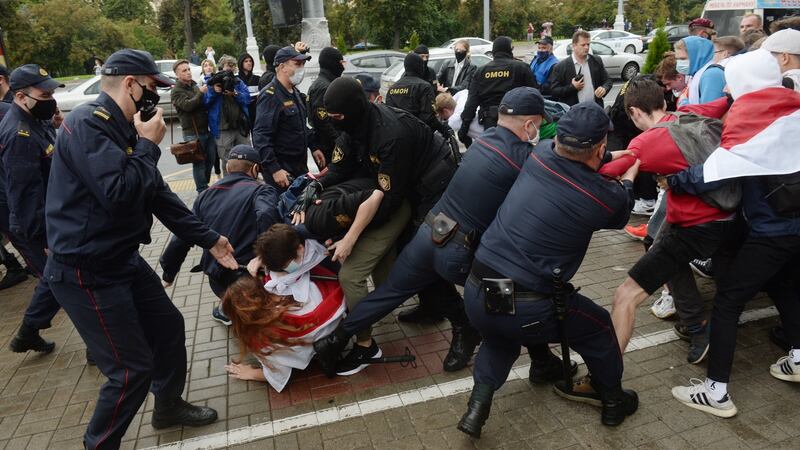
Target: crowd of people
(703, 146)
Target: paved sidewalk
(46, 401)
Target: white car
(618, 65)
(476, 45)
(89, 90)
(437, 58)
(165, 66)
(619, 41)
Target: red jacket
(659, 154)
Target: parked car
(165, 65)
(476, 45)
(372, 62)
(89, 90)
(674, 34)
(619, 41)
(438, 57)
(618, 65)
(364, 46)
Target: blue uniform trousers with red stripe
(589, 330)
(132, 329)
(43, 306)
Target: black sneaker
(702, 267)
(698, 346)
(419, 315)
(682, 332)
(778, 337)
(582, 391)
(358, 359)
(220, 317)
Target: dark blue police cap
(135, 62)
(287, 53)
(245, 152)
(547, 40)
(368, 83)
(31, 75)
(523, 101)
(3, 71)
(584, 125)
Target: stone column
(315, 29)
(619, 21)
(252, 45)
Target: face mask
(292, 267)
(682, 66)
(542, 54)
(43, 109)
(535, 139)
(676, 93)
(297, 78)
(460, 56)
(149, 99)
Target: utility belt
(488, 114)
(501, 293)
(444, 229)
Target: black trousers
(43, 306)
(769, 264)
(134, 332)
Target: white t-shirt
(587, 93)
(475, 129)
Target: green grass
(75, 77)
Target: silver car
(372, 62)
(476, 45)
(618, 65)
(437, 58)
(89, 90)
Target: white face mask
(682, 66)
(535, 139)
(297, 78)
(676, 93)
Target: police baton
(560, 302)
(405, 360)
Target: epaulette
(102, 113)
(270, 90)
(23, 129)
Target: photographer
(227, 101)
(187, 98)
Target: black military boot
(549, 370)
(181, 412)
(478, 407)
(462, 346)
(28, 338)
(617, 406)
(15, 273)
(329, 349)
(421, 315)
(90, 359)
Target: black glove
(463, 136)
(307, 198)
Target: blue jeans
(201, 170)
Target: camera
(226, 79)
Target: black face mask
(348, 125)
(43, 109)
(146, 103)
(460, 56)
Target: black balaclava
(269, 56)
(330, 59)
(414, 65)
(502, 45)
(346, 96)
(421, 50)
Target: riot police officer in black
(331, 66)
(490, 83)
(414, 94)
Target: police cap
(522, 101)
(287, 53)
(134, 62)
(245, 152)
(547, 40)
(31, 75)
(368, 83)
(3, 71)
(584, 125)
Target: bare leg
(627, 297)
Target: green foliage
(127, 10)
(638, 12)
(171, 23)
(413, 41)
(385, 22)
(656, 50)
(340, 44)
(262, 25)
(223, 45)
(144, 36)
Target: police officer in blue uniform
(281, 134)
(104, 189)
(445, 243)
(26, 149)
(239, 206)
(546, 222)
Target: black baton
(405, 360)
(560, 302)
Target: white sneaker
(644, 207)
(785, 369)
(664, 307)
(696, 396)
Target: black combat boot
(181, 412)
(28, 338)
(15, 273)
(617, 406)
(549, 370)
(478, 407)
(329, 349)
(420, 315)
(462, 346)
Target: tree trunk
(396, 44)
(187, 26)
